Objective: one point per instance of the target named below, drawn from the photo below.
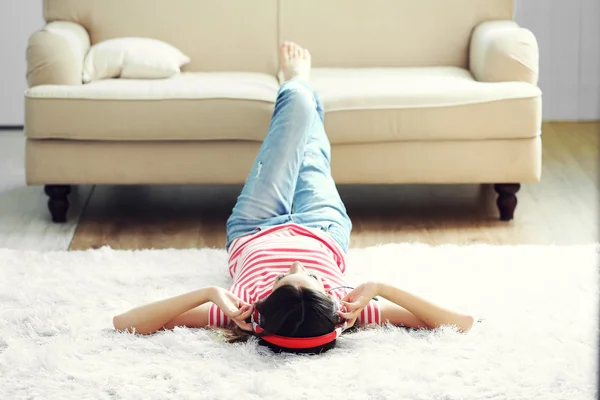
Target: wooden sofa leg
(58, 203)
(507, 201)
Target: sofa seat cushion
(361, 105)
(438, 103)
(189, 106)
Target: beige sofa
(428, 91)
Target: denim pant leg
(317, 203)
(267, 196)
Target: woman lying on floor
(287, 239)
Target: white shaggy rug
(538, 338)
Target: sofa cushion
(362, 105)
(440, 103)
(190, 106)
(135, 58)
(223, 36)
(388, 33)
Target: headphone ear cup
(256, 317)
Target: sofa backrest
(388, 33)
(218, 35)
(243, 35)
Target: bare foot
(294, 62)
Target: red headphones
(293, 342)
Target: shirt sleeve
(371, 314)
(216, 317)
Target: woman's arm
(414, 311)
(154, 316)
(399, 316)
(194, 318)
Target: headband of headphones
(294, 342)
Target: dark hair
(298, 312)
(294, 312)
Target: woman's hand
(235, 308)
(357, 300)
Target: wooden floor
(562, 209)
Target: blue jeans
(290, 181)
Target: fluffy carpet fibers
(537, 340)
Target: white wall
(18, 20)
(568, 32)
(589, 67)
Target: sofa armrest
(502, 51)
(55, 54)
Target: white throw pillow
(134, 58)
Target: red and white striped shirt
(256, 260)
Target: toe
(286, 52)
(306, 54)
